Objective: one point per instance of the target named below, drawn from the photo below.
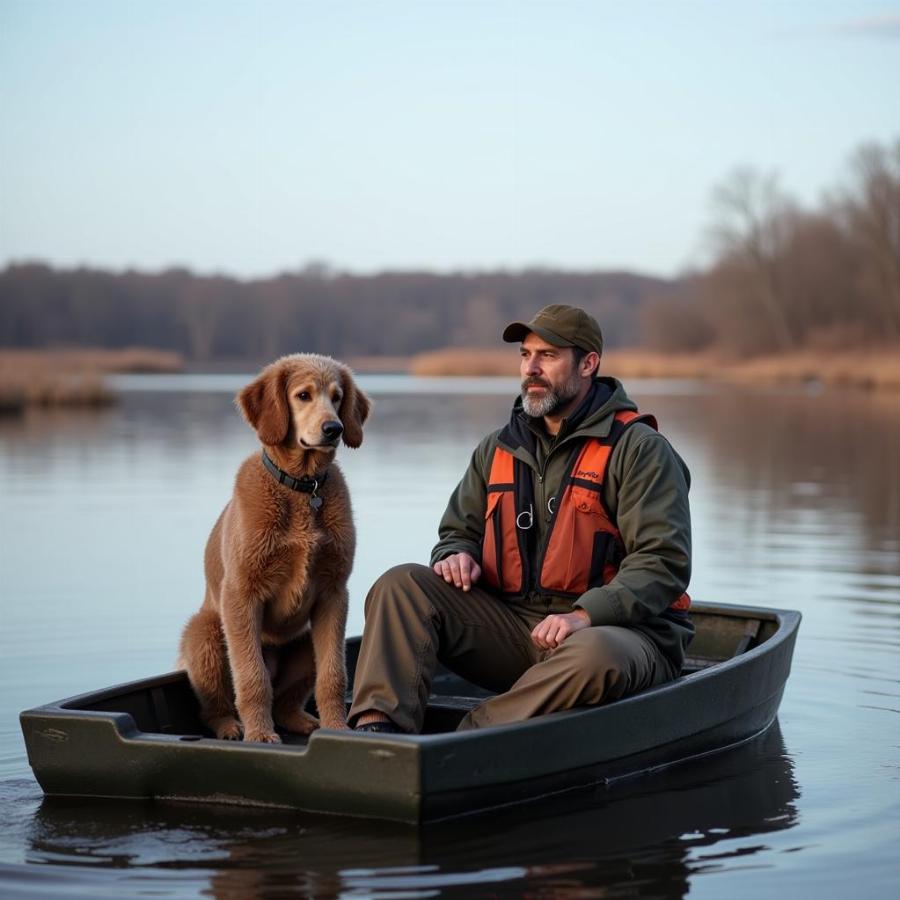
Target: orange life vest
(582, 547)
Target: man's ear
(354, 409)
(264, 405)
(590, 363)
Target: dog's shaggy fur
(273, 618)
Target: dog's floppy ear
(354, 409)
(264, 405)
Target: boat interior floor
(170, 708)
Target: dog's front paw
(296, 721)
(263, 737)
(228, 730)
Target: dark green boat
(144, 739)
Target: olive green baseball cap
(560, 325)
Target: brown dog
(277, 561)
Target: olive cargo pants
(414, 620)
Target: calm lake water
(796, 504)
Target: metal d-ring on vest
(529, 514)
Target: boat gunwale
(787, 622)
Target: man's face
(550, 378)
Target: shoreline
(71, 377)
(868, 369)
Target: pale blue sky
(248, 138)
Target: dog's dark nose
(332, 430)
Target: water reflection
(795, 501)
(792, 454)
(642, 839)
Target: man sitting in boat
(559, 576)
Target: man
(563, 557)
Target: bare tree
(677, 322)
(871, 217)
(200, 310)
(751, 226)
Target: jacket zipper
(534, 586)
(532, 573)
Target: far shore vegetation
(72, 377)
(789, 293)
(874, 369)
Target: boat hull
(143, 739)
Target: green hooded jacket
(646, 493)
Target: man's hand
(459, 569)
(550, 633)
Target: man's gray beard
(537, 407)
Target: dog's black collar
(304, 485)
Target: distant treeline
(781, 279)
(786, 278)
(316, 310)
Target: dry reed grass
(371, 365)
(465, 361)
(71, 378)
(494, 361)
(871, 369)
(96, 360)
(874, 370)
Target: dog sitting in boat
(277, 561)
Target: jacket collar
(594, 418)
